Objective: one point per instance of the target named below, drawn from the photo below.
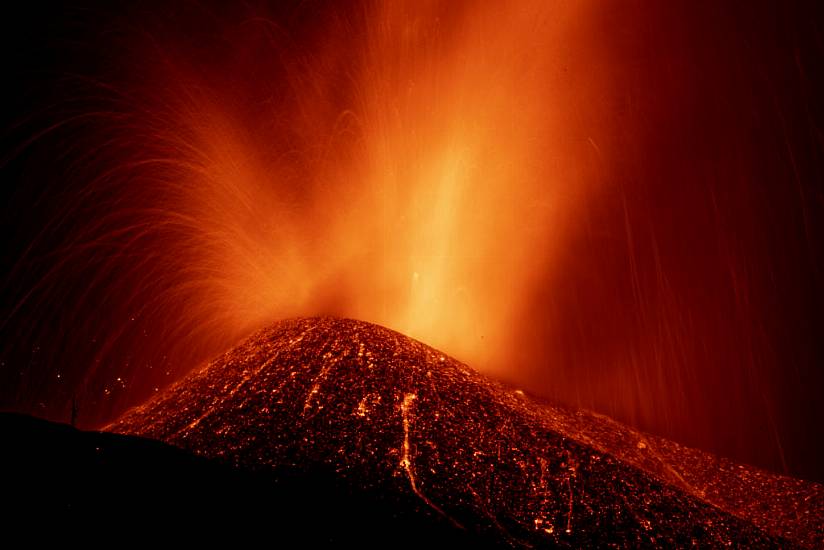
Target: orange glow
(423, 200)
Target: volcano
(392, 417)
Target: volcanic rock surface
(396, 418)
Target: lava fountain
(414, 176)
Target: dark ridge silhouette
(94, 484)
(422, 433)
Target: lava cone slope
(394, 417)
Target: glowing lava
(390, 414)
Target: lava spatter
(393, 415)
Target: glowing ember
(389, 413)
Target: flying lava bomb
(525, 273)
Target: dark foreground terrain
(108, 489)
(329, 430)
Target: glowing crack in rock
(316, 387)
(407, 455)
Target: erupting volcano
(390, 414)
(615, 206)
